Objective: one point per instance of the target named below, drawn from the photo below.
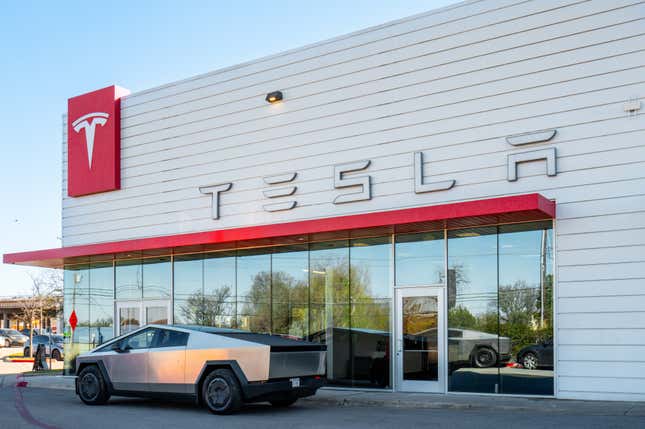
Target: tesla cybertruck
(219, 368)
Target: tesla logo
(93, 142)
(88, 123)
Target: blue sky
(54, 50)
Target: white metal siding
(451, 83)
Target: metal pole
(50, 352)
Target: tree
(334, 294)
(44, 300)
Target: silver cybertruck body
(221, 368)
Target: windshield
(13, 332)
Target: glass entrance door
(132, 315)
(129, 316)
(157, 312)
(420, 339)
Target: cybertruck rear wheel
(221, 392)
(91, 387)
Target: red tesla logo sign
(73, 320)
(93, 141)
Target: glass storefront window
(219, 289)
(473, 342)
(189, 289)
(101, 303)
(370, 296)
(290, 291)
(128, 280)
(77, 299)
(254, 290)
(204, 287)
(499, 285)
(156, 278)
(329, 306)
(89, 292)
(420, 258)
(525, 307)
(500, 290)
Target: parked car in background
(219, 368)
(4, 341)
(16, 338)
(37, 331)
(537, 355)
(53, 346)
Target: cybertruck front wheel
(91, 387)
(221, 392)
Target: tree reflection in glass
(253, 302)
(329, 305)
(204, 289)
(370, 301)
(500, 293)
(474, 347)
(290, 291)
(525, 306)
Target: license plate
(295, 382)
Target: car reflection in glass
(478, 349)
(536, 356)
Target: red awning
(520, 208)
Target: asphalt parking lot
(25, 407)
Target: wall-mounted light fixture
(274, 97)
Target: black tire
(530, 361)
(56, 355)
(91, 386)
(283, 403)
(26, 352)
(221, 392)
(484, 357)
(7, 343)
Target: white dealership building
(452, 202)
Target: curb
(397, 403)
(552, 406)
(58, 382)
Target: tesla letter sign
(93, 141)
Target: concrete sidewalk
(354, 398)
(348, 398)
